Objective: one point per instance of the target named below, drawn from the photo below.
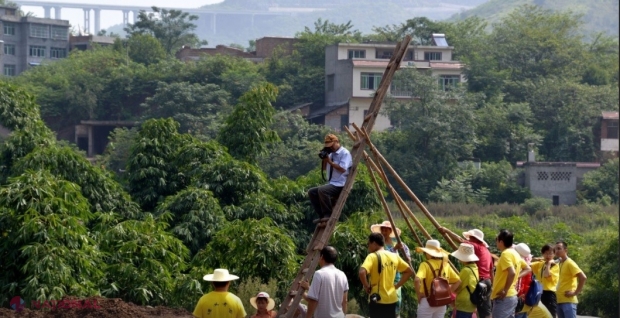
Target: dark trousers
(485, 309)
(550, 301)
(382, 310)
(322, 197)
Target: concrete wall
(548, 179)
(335, 118)
(266, 45)
(342, 72)
(357, 106)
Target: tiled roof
(610, 115)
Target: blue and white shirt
(341, 157)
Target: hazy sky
(110, 18)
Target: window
(39, 31)
(408, 56)
(9, 28)
(330, 83)
(401, 90)
(37, 51)
(448, 82)
(59, 33)
(556, 200)
(344, 120)
(432, 56)
(371, 80)
(612, 130)
(9, 49)
(9, 70)
(357, 54)
(58, 53)
(384, 54)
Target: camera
(374, 298)
(325, 152)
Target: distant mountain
(598, 15)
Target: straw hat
(376, 228)
(271, 303)
(432, 248)
(220, 275)
(477, 234)
(465, 253)
(330, 139)
(523, 250)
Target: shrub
(533, 205)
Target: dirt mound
(96, 307)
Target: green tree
(247, 132)
(173, 28)
(600, 296)
(47, 250)
(116, 154)
(459, 189)
(601, 185)
(143, 48)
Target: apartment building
(353, 72)
(28, 41)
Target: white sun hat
(479, 235)
(465, 253)
(271, 303)
(220, 275)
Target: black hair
(330, 255)
(547, 247)
(220, 284)
(564, 245)
(506, 237)
(376, 238)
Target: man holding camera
(339, 161)
(382, 267)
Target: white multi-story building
(353, 72)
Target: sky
(110, 18)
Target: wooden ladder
(324, 231)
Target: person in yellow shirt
(382, 277)
(571, 280)
(547, 272)
(510, 267)
(469, 279)
(436, 259)
(219, 303)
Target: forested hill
(598, 15)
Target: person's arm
(525, 270)
(364, 279)
(547, 270)
(311, 307)
(324, 163)
(345, 300)
(581, 281)
(404, 277)
(335, 165)
(417, 282)
(509, 279)
(455, 286)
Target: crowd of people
(486, 286)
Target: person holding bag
(469, 279)
(434, 269)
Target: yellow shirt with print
(219, 305)
(384, 283)
(509, 258)
(567, 281)
(469, 278)
(426, 275)
(549, 283)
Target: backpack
(479, 296)
(534, 293)
(440, 294)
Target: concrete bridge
(208, 17)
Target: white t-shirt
(328, 287)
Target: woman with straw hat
(436, 259)
(263, 305)
(469, 279)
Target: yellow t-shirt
(549, 283)
(509, 258)
(219, 305)
(567, 281)
(391, 264)
(468, 279)
(425, 274)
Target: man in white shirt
(327, 296)
(337, 161)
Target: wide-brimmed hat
(477, 234)
(523, 250)
(432, 248)
(376, 228)
(271, 303)
(220, 275)
(330, 139)
(465, 253)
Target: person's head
(524, 251)
(504, 239)
(329, 255)
(262, 302)
(548, 252)
(221, 285)
(465, 254)
(476, 236)
(561, 248)
(375, 242)
(432, 249)
(385, 228)
(331, 141)
(220, 278)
